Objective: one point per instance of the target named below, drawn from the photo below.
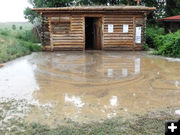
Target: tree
(14, 27)
(31, 15)
(20, 27)
(158, 13)
(172, 7)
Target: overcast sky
(13, 10)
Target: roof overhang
(95, 9)
(171, 19)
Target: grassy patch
(151, 123)
(17, 42)
(143, 125)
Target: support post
(144, 38)
(134, 32)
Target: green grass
(18, 42)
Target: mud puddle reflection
(91, 86)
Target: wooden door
(97, 33)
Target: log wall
(67, 31)
(119, 40)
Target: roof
(171, 19)
(95, 9)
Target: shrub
(4, 32)
(151, 34)
(168, 45)
(14, 27)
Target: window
(61, 24)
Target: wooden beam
(50, 30)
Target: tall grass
(16, 43)
(28, 36)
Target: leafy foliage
(166, 45)
(151, 33)
(31, 15)
(172, 7)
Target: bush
(4, 32)
(151, 34)
(168, 45)
(14, 27)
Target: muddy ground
(72, 88)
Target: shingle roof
(172, 18)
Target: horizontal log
(118, 27)
(67, 49)
(119, 19)
(60, 28)
(67, 35)
(68, 32)
(118, 23)
(118, 38)
(118, 46)
(123, 48)
(77, 31)
(118, 43)
(122, 16)
(68, 43)
(76, 24)
(67, 38)
(77, 27)
(77, 21)
(119, 35)
(117, 31)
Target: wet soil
(91, 86)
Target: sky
(13, 10)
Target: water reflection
(137, 67)
(93, 85)
(113, 100)
(74, 100)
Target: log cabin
(93, 27)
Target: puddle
(91, 86)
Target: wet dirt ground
(91, 86)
